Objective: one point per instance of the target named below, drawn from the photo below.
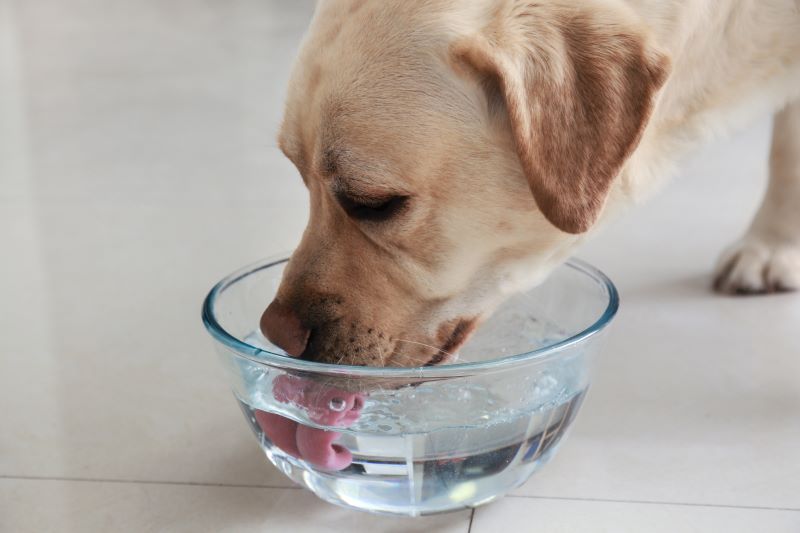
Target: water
(418, 448)
(413, 473)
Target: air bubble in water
(337, 404)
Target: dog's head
(454, 152)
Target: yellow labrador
(456, 151)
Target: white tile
(80, 507)
(125, 204)
(696, 397)
(108, 369)
(571, 516)
(107, 365)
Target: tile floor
(137, 166)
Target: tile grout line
(471, 517)
(148, 482)
(654, 502)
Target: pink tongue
(325, 406)
(316, 446)
(281, 431)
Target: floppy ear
(578, 85)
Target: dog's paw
(755, 266)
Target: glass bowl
(415, 441)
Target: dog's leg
(767, 258)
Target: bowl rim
(264, 357)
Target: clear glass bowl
(415, 441)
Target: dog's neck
(726, 71)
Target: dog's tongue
(325, 406)
(304, 442)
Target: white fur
(732, 62)
(767, 258)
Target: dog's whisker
(402, 358)
(380, 353)
(398, 358)
(426, 345)
(408, 357)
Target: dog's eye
(372, 209)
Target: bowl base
(373, 498)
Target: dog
(455, 152)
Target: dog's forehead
(339, 127)
(371, 92)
